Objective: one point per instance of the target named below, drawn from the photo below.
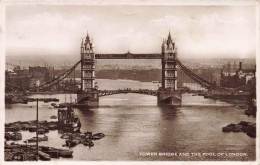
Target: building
(38, 75)
(18, 77)
(27, 78)
(233, 76)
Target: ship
(67, 120)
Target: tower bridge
(88, 95)
(167, 94)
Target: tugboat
(67, 120)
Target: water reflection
(169, 112)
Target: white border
(3, 3)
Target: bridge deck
(139, 91)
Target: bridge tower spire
(88, 95)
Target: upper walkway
(128, 56)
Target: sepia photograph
(130, 81)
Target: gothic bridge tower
(88, 95)
(169, 65)
(169, 94)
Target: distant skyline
(199, 31)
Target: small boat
(25, 127)
(8, 136)
(30, 99)
(42, 131)
(23, 102)
(72, 143)
(66, 135)
(97, 136)
(65, 153)
(34, 139)
(87, 142)
(60, 106)
(32, 129)
(11, 129)
(88, 134)
(55, 100)
(16, 136)
(53, 117)
(53, 104)
(52, 127)
(44, 156)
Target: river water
(137, 129)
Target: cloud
(210, 34)
(46, 31)
(197, 33)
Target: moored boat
(34, 139)
(16, 136)
(97, 136)
(53, 117)
(87, 142)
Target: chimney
(240, 66)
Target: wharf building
(27, 78)
(233, 76)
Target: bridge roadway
(120, 91)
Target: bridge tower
(88, 95)
(168, 93)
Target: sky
(208, 31)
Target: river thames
(137, 129)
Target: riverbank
(22, 99)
